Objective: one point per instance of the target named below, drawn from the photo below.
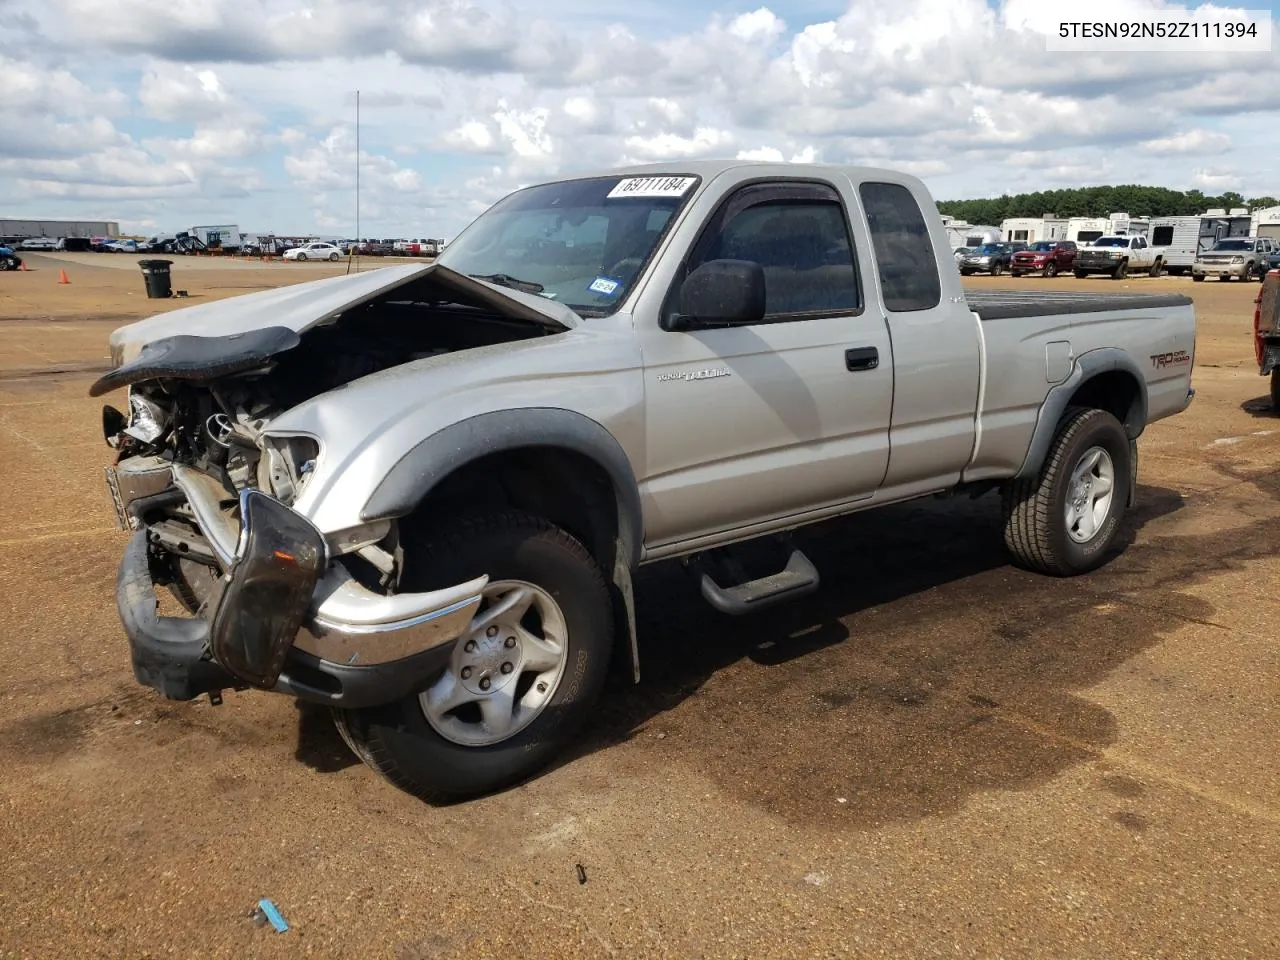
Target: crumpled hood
(299, 307)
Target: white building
(1265, 222)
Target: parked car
(314, 251)
(1242, 258)
(992, 258)
(8, 259)
(1273, 258)
(1117, 256)
(39, 243)
(120, 246)
(74, 244)
(1266, 333)
(99, 244)
(1047, 257)
(444, 476)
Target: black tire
(399, 742)
(6, 263)
(1015, 273)
(1121, 271)
(1197, 278)
(333, 257)
(1080, 274)
(302, 256)
(1275, 390)
(966, 273)
(995, 269)
(1035, 524)
(1155, 270)
(1051, 270)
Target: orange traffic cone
(62, 277)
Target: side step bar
(798, 579)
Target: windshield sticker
(651, 187)
(606, 286)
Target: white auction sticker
(652, 187)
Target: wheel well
(1116, 392)
(569, 489)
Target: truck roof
(712, 167)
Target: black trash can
(156, 273)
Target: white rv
(1187, 237)
(1034, 229)
(1266, 222)
(1083, 230)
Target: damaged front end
(208, 490)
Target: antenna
(356, 246)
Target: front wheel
(1197, 278)
(1015, 273)
(519, 682)
(995, 269)
(1120, 271)
(302, 256)
(1051, 270)
(1063, 521)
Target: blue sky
(165, 113)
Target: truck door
(936, 353)
(753, 423)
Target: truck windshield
(1233, 245)
(579, 242)
(1042, 247)
(1111, 242)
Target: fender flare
(418, 472)
(1087, 366)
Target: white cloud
(247, 106)
(1189, 141)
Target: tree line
(1098, 202)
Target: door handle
(861, 358)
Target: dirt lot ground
(939, 756)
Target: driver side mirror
(721, 293)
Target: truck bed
(1010, 304)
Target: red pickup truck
(1047, 257)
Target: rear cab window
(905, 259)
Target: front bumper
(1201, 269)
(285, 619)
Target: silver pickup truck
(419, 494)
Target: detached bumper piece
(288, 621)
(279, 559)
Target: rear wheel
(1051, 269)
(1063, 520)
(1080, 274)
(520, 681)
(1156, 269)
(333, 257)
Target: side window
(799, 236)
(904, 256)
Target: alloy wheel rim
(1089, 494)
(504, 670)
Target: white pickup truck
(1118, 256)
(418, 494)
